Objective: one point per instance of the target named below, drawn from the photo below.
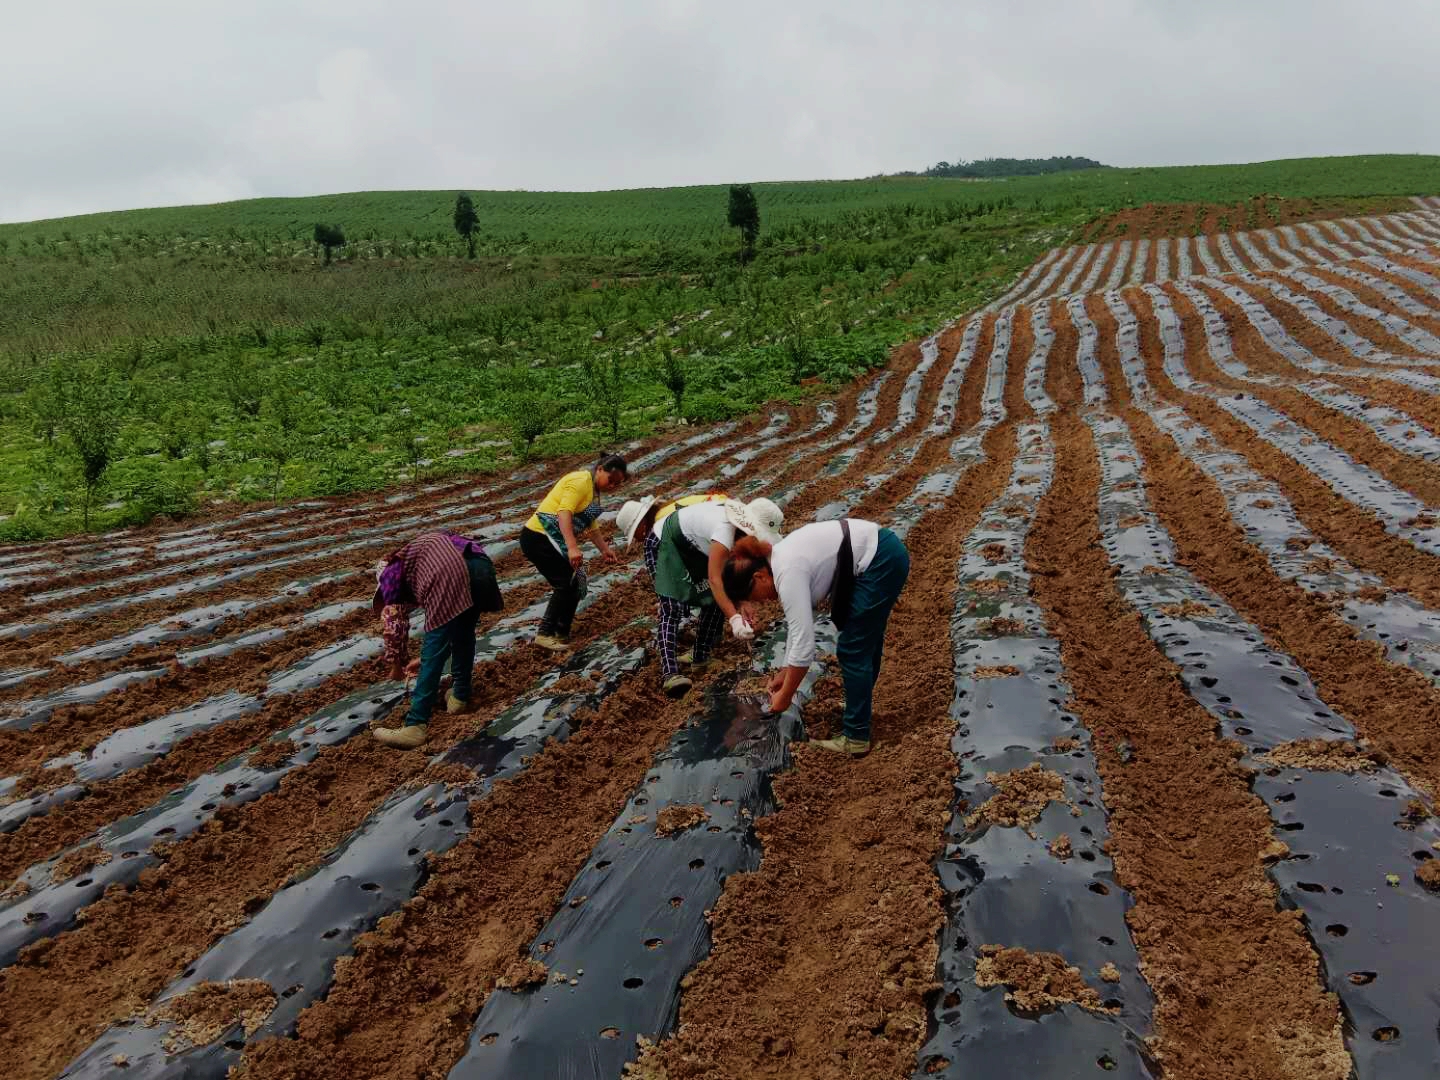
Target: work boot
(697, 667)
(844, 744)
(552, 642)
(677, 686)
(454, 704)
(408, 737)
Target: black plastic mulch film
(633, 921)
(1003, 885)
(1353, 850)
(293, 942)
(1407, 631)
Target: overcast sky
(110, 105)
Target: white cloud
(162, 101)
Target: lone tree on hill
(329, 237)
(93, 401)
(745, 216)
(465, 221)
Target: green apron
(682, 571)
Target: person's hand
(611, 556)
(739, 627)
(577, 557)
(779, 701)
(412, 669)
(750, 611)
(396, 671)
(777, 680)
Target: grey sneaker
(843, 744)
(677, 686)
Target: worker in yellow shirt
(551, 541)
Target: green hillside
(229, 362)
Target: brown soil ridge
(1420, 478)
(1155, 220)
(1356, 534)
(1395, 708)
(1229, 968)
(1425, 408)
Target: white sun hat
(759, 518)
(631, 515)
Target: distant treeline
(993, 168)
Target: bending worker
(453, 579)
(685, 551)
(551, 541)
(861, 568)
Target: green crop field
(208, 353)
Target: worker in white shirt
(861, 568)
(686, 549)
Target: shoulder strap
(844, 577)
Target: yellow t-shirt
(574, 492)
(687, 500)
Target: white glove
(742, 630)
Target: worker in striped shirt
(453, 580)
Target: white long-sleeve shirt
(803, 565)
(704, 523)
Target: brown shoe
(454, 704)
(843, 744)
(403, 738)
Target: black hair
(747, 559)
(613, 463)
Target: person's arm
(794, 590)
(566, 520)
(396, 637)
(597, 534)
(783, 685)
(714, 569)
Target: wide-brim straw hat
(759, 518)
(631, 515)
